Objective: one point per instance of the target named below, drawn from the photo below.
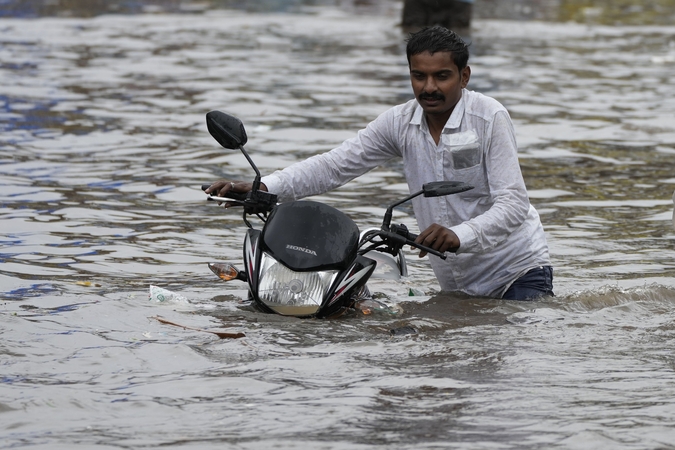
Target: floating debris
(161, 295)
(413, 292)
(220, 334)
(402, 331)
(370, 306)
(87, 284)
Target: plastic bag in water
(412, 292)
(161, 295)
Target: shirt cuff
(466, 235)
(272, 182)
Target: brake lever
(231, 201)
(234, 197)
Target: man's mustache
(435, 96)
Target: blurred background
(590, 11)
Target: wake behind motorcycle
(309, 259)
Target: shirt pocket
(463, 148)
(465, 157)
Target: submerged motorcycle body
(309, 259)
(305, 261)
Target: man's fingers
(217, 187)
(432, 241)
(424, 236)
(437, 238)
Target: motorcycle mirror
(226, 129)
(441, 188)
(230, 133)
(432, 189)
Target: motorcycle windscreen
(308, 235)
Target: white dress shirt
(500, 233)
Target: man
(445, 133)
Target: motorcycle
(309, 259)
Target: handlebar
(237, 196)
(254, 201)
(397, 237)
(394, 239)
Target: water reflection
(651, 12)
(91, 8)
(627, 12)
(102, 152)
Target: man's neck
(436, 123)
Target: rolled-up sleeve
(321, 173)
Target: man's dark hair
(439, 39)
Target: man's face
(436, 82)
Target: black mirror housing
(442, 188)
(226, 129)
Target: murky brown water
(103, 147)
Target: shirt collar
(453, 122)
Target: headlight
(292, 293)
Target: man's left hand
(439, 238)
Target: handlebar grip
(402, 231)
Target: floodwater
(103, 147)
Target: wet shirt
(500, 233)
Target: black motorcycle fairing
(341, 295)
(252, 258)
(307, 235)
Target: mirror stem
(256, 181)
(387, 215)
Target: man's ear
(466, 75)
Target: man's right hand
(221, 188)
